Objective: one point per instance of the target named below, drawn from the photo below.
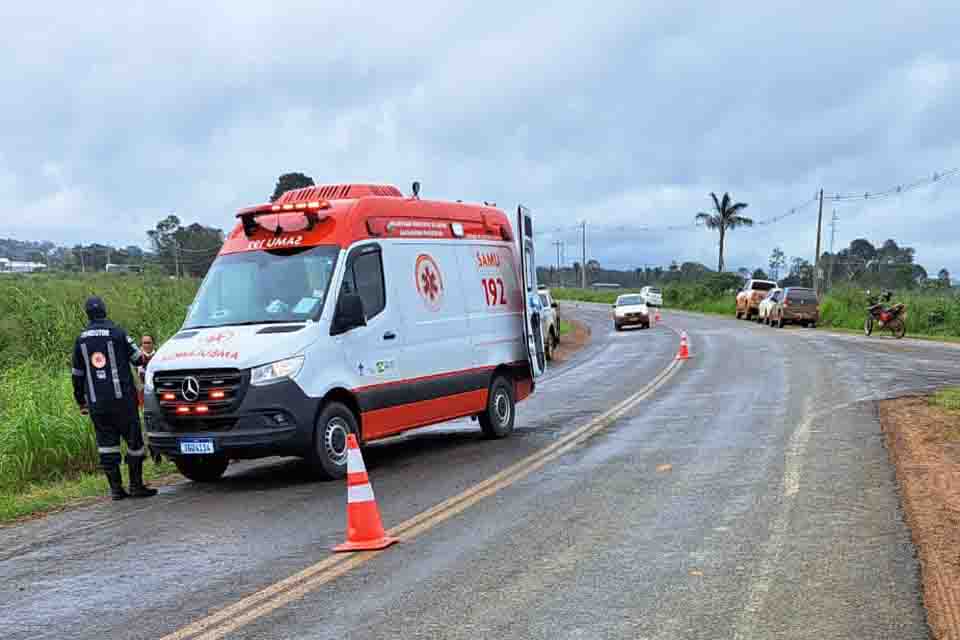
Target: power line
(896, 190)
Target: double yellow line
(279, 594)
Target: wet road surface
(746, 496)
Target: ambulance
(346, 309)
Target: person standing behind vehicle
(104, 389)
(147, 347)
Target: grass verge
(42, 497)
(565, 327)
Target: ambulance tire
(202, 468)
(497, 420)
(328, 458)
(548, 348)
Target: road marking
(771, 550)
(290, 589)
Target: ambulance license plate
(196, 445)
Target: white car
(763, 313)
(653, 296)
(630, 309)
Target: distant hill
(23, 249)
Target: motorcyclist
(104, 389)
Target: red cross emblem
(429, 281)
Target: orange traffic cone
(364, 528)
(684, 348)
(656, 318)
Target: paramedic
(103, 387)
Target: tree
(744, 273)
(726, 217)
(943, 277)
(185, 250)
(778, 260)
(759, 274)
(863, 249)
(289, 181)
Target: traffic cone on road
(364, 528)
(656, 317)
(684, 353)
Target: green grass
(47, 449)
(42, 497)
(948, 399)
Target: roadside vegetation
(47, 449)
(931, 313)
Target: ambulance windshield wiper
(242, 324)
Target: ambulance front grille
(219, 390)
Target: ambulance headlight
(276, 371)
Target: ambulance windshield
(259, 287)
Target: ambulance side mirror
(349, 314)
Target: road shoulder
(923, 442)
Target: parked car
(797, 305)
(763, 311)
(653, 296)
(550, 322)
(748, 298)
(630, 309)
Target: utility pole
(583, 264)
(833, 256)
(816, 260)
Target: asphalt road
(744, 494)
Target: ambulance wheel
(548, 348)
(497, 420)
(328, 458)
(202, 468)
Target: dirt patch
(924, 444)
(572, 342)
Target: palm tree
(726, 218)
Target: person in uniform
(104, 389)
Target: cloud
(620, 114)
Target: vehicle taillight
(202, 408)
(183, 410)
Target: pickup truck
(550, 321)
(750, 296)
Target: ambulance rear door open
(532, 327)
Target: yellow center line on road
(281, 593)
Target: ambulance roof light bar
(309, 210)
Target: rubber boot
(137, 488)
(116, 483)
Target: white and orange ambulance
(348, 309)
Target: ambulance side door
(372, 352)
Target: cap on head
(95, 307)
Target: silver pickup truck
(550, 321)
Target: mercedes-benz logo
(190, 388)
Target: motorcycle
(893, 318)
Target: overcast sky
(619, 113)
